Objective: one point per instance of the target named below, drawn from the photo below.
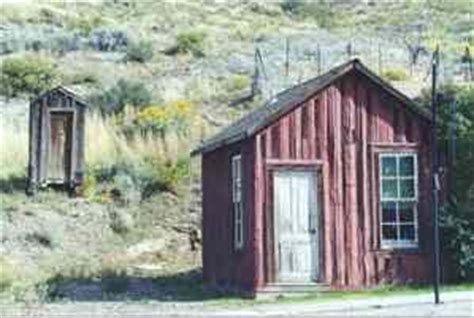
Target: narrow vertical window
(237, 202)
(398, 200)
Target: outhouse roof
(64, 90)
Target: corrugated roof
(271, 110)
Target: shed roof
(294, 96)
(65, 91)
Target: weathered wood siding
(42, 137)
(341, 130)
(223, 266)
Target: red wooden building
(326, 184)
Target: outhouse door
(296, 226)
(59, 150)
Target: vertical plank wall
(345, 126)
(223, 266)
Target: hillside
(160, 77)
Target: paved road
(455, 304)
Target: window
(237, 202)
(398, 200)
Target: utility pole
(435, 178)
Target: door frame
(70, 156)
(270, 248)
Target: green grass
(382, 291)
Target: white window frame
(398, 243)
(237, 202)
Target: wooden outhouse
(56, 147)
(327, 184)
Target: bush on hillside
(169, 174)
(292, 6)
(322, 12)
(139, 52)
(85, 24)
(8, 274)
(159, 119)
(108, 40)
(394, 74)
(85, 77)
(123, 93)
(238, 82)
(27, 75)
(188, 43)
(144, 178)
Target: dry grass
(106, 144)
(13, 147)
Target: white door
(296, 226)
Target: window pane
(405, 211)
(407, 166)
(389, 212)
(407, 188)
(407, 232)
(389, 189)
(389, 232)
(389, 166)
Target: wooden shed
(326, 185)
(56, 147)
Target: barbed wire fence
(291, 60)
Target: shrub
(457, 216)
(395, 74)
(88, 186)
(292, 6)
(123, 93)
(457, 235)
(81, 78)
(27, 75)
(189, 43)
(238, 82)
(169, 175)
(322, 12)
(62, 44)
(41, 237)
(108, 40)
(154, 118)
(39, 37)
(139, 52)
(159, 119)
(84, 25)
(7, 274)
(121, 222)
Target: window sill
(399, 250)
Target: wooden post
(380, 58)
(319, 59)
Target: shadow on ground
(13, 184)
(183, 286)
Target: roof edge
(341, 70)
(65, 91)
